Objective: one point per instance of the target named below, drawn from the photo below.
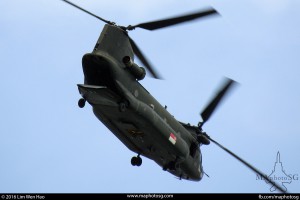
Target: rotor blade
(175, 20)
(206, 113)
(249, 166)
(72, 4)
(143, 59)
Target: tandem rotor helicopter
(111, 86)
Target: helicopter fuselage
(135, 117)
(131, 113)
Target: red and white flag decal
(172, 138)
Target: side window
(193, 149)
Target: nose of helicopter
(197, 175)
(191, 170)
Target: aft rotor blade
(72, 4)
(249, 166)
(174, 20)
(206, 113)
(143, 59)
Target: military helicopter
(111, 86)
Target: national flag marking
(172, 138)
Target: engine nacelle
(138, 72)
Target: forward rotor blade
(175, 20)
(206, 113)
(143, 59)
(249, 166)
(72, 4)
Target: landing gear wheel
(81, 102)
(123, 106)
(165, 168)
(136, 161)
(139, 161)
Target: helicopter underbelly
(140, 129)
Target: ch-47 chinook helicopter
(111, 86)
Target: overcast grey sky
(48, 144)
